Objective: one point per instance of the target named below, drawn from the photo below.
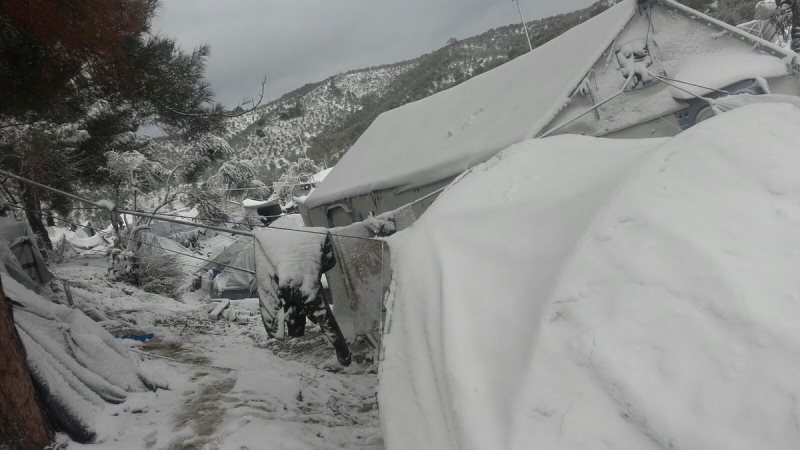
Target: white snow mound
(581, 293)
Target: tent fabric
(154, 246)
(228, 282)
(76, 365)
(236, 284)
(185, 235)
(11, 229)
(288, 267)
(22, 257)
(438, 137)
(88, 243)
(30, 259)
(61, 245)
(446, 133)
(11, 266)
(364, 266)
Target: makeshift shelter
(185, 235)
(20, 240)
(153, 246)
(30, 259)
(61, 245)
(265, 210)
(95, 243)
(229, 282)
(610, 76)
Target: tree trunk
(22, 421)
(31, 204)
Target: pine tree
(62, 66)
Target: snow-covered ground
(230, 386)
(580, 293)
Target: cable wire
(155, 246)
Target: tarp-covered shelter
(186, 235)
(17, 235)
(228, 281)
(264, 210)
(69, 243)
(599, 78)
(152, 246)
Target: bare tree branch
(222, 114)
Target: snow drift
(577, 293)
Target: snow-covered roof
(442, 135)
(446, 133)
(320, 176)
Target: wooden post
(22, 422)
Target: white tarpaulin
(580, 293)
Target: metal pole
(524, 26)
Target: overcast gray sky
(294, 42)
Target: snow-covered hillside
(581, 293)
(281, 131)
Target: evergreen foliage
(79, 78)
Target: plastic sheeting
(154, 246)
(186, 235)
(76, 364)
(22, 253)
(30, 260)
(236, 284)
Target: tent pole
(524, 26)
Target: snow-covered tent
(619, 74)
(17, 235)
(637, 294)
(61, 245)
(229, 282)
(152, 246)
(96, 243)
(266, 210)
(186, 235)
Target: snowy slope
(582, 293)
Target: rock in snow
(583, 293)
